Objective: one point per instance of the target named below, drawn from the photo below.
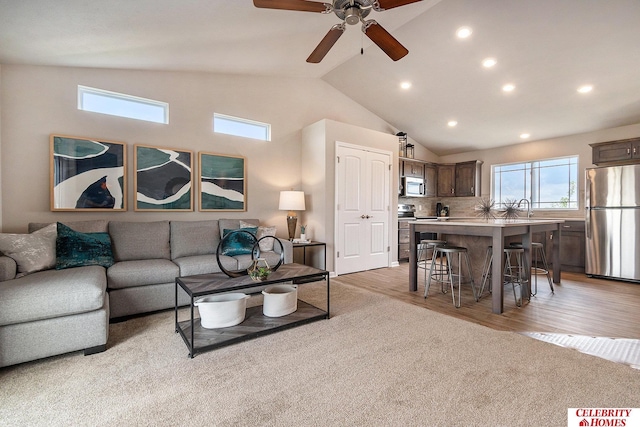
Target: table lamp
(291, 201)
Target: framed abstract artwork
(87, 174)
(222, 183)
(163, 179)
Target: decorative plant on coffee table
(259, 270)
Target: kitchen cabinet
(413, 169)
(430, 180)
(459, 179)
(620, 152)
(468, 179)
(446, 180)
(572, 246)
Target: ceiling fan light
(352, 16)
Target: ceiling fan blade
(384, 40)
(390, 4)
(300, 5)
(326, 43)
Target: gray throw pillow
(266, 244)
(31, 252)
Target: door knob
(362, 216)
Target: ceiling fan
(351, 12)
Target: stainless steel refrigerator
(612, 203)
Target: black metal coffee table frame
(199, 339)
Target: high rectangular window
(547, 184)
(241, 127)
(122, 105)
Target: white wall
(319, 141)
(38, 101)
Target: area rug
(376, 362)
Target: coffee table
(199, 339)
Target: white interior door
(362, 211)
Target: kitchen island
(496, 230)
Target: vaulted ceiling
(546, 48)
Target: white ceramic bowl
(222, 311)
(280, 300)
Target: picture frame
(163, 179)
(222, 183)
(87, 174)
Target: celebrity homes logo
(603, 417)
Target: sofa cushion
(91, 226)
(266, 234)
(204, 264)
(238, 242)
(140, 240)
(265, 244)
(75, 249)
(31, 252)
(189, 238)
(52, 293)
(127, 274)
(234, 224)
(8, 268)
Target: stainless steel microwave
(412, 187)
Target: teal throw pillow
(75, 249)
(239, 243)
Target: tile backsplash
(465, 207)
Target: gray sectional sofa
(52, 312)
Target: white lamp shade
(291, 201)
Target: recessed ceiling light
(405, 85)
(509, 87)
(585, 89)
(463, 32)
(489, 62)
(525, 135)
(452, 123)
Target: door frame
(390, 229)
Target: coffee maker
(441, 210)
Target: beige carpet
(376, 362)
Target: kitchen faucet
(529, 212)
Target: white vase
(303, 237)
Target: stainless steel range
(407, 213)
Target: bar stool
(424, 261)
(538, 250)
(449, 252)
(513, 272)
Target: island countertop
(494, 222)
(497, 230)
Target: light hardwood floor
(580, 305)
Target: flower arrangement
(303, 229)
(485, 209)
(510, 209)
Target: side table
(312, 243)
